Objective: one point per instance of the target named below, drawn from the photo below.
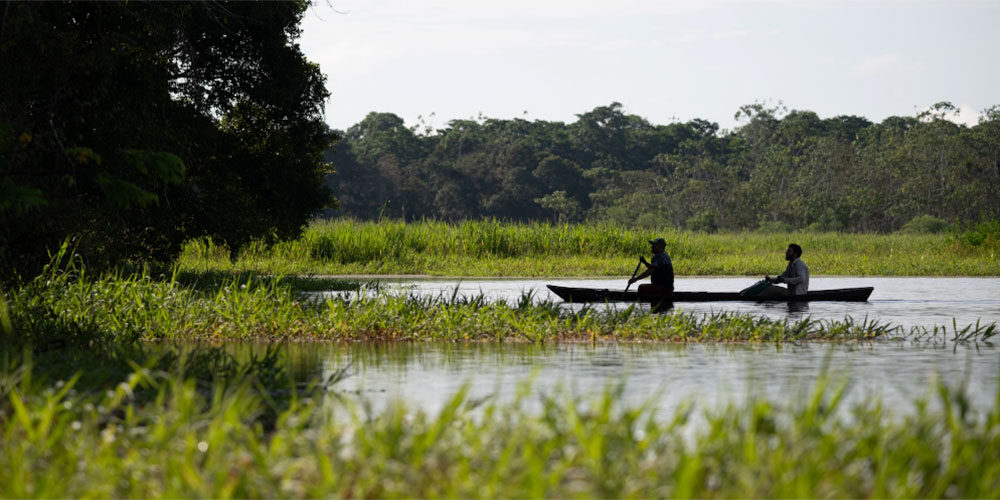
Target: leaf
(165, 167)
(83, 155)
(20, 199)
(5, 323)
(123, 193)
(6, 136)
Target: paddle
(633, 275)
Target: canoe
(570, 294)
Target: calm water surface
(426, 374)
(902, 301)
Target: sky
(432, 61)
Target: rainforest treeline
(778, 170)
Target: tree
(780, 169)
(131, 126)
(564, 209)
(559, 174)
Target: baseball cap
(658, 240)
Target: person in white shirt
(796, 275)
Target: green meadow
(492, 248)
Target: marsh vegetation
(65, 305)
(99, 398)
(493, 248)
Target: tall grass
(160, 434)
(492, 248)
(65, 308)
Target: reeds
(492, 248)
(64, 308)
(155, 434)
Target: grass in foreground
(66, 308)
(491, 248)
(100, 414)
(165, 433)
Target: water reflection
(427, 374)
(794, 310)
(661, 307)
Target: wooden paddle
(633, 274)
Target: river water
(425, 375)
(907, 302)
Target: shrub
(703, 221)
(774, 226)
(925, 224)
(983, 234)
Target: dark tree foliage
(131, 126)
(779, 170)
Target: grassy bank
(160, 431)
(66, 307)
(490, 248)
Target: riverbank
(494, 249)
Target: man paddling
(796, 275)
(660, 268)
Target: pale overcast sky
(663, 60)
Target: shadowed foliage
(132, 126)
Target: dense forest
(127, 128)
(778, 170)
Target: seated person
(660, 270)
(796, 275)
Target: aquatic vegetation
(65, 307)
(156, 433)
(93, 405)
(492, 248)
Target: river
(426, 374)
(907, 302)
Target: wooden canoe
(570, 294)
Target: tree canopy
(132, 126)
(778, 169)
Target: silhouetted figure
(796, 275)
(660, 270)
